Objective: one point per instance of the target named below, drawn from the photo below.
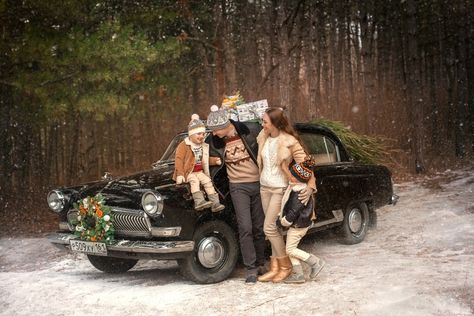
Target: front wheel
(355, 224)
(214, 256)
(111, 265)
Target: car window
(321, 148)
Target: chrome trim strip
(166, 231)
(164, 186)
(64, 226)
(152, 246)
(338, 217)
(131, 245)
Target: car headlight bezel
(56, 200)
(152, 203)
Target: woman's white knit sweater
(272, 175)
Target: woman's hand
(218, 161)
(284, 222)
(305, 195)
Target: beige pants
(195, 179)
(293, 239)
(271, 203)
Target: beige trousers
(293, 239)
(271, 203)
(195, 179)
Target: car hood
(127, 191)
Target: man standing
(236, 144)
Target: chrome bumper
(137, 246)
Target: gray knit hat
(217, 119)
(196, 125)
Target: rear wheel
(355, 224)
(214, 256)
(112, 265)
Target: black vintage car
(154, 218)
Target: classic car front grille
(128, 222)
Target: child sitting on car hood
(192, 166)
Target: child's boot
(199, 202)
(296, 276)
(216, 205)
(316, 266)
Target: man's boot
(285, 269)
(261, 269)
(316, 266)
(274, 268)
(199, 202)
(296, 276)
(216, 204)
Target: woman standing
(278, 145)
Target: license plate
(96, 248)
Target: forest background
(94, 86)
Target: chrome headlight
(152, 203)
(56, 201)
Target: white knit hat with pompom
(217, 119)
(196, 125)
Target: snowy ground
(418, 261)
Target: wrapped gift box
(252, 110)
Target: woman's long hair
(279, 119)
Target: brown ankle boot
(285, 269)
(273, 271)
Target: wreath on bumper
(94, 220)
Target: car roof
(313, 127)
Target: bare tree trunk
(349, 63)
(282, 27)
(367, 59)
(337, 53)
(414, 83)
(295, 70)
(470, 68)
(461, 84)
(219, 12)
(323, 71)
(312, 62)
(5, 142)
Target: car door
(325, 152)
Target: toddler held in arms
(298, 217)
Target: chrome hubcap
(355, 220)
(210, 252)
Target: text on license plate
(98, 248)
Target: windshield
(171, 150)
